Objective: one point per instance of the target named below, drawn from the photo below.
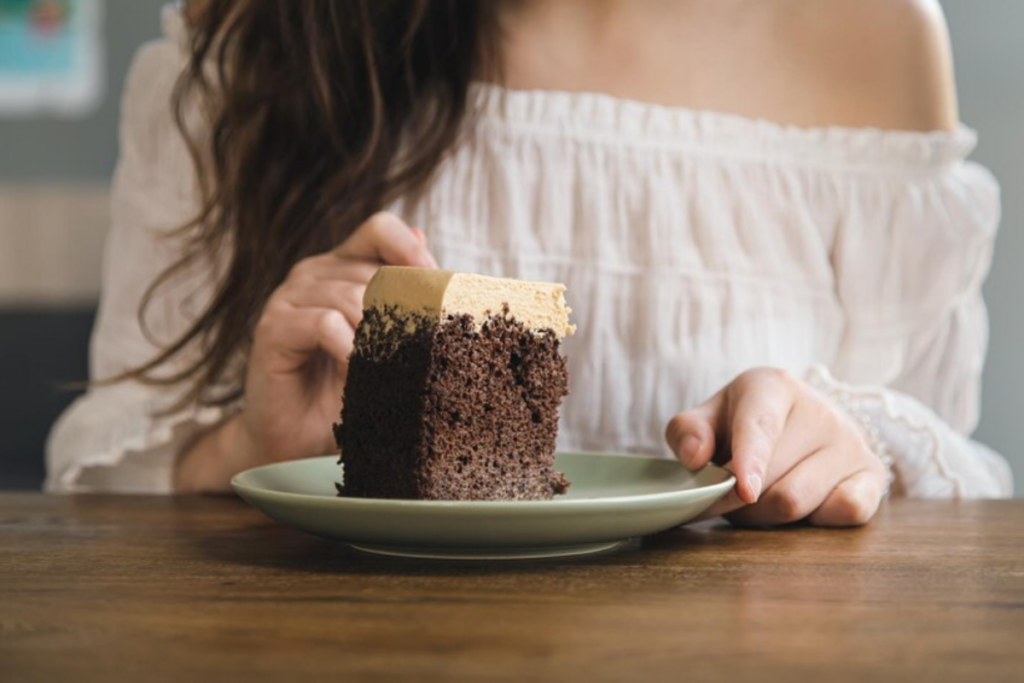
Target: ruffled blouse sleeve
(911, 252)
(113, 438)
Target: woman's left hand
(795, 454)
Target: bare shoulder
(886, 63)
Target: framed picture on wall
(51, 57)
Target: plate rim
(496, 505)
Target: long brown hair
(317, 113)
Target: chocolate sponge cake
(453, 388)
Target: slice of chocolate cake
(453, 388)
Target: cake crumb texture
(451, 409)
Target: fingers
(853, 502)
(794, 454)
(318, 306)
(420, 235)
(731, 501)
(761, 402)
(337, 280)
(749, 417)
(791, 449)
(328, 266)
(336, 336)
(692, 435)
(766, 427)
(344, 297)
(802, 490)
(286, 336)
(320, 303)
(385, 238)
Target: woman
(768, 197)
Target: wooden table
(140, 588)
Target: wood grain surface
(147, 588)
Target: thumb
(692, 435)
(386, 239)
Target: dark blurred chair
(39, 352)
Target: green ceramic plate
(612, 498)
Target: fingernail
(691, 444)
(755, 483)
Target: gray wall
(86, 149)
(988, 48)
(989, 52)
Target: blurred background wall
(988, 50)
(53, 214)
(54, 174)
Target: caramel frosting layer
(440, 293)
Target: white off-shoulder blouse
(694, 245)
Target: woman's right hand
(296, 369)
